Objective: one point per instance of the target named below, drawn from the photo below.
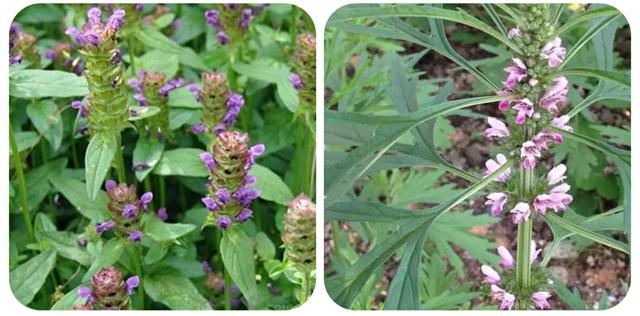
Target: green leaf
(108, 256)
(271, 186)
(142, 112)
(341, 176)
(181, 162)
(354, 210)
(36, 84)
(174, 290)
(557, 221)
(161, 231)
(69, 300)
(616, 135)
(264, 246)
(66, 244)
(46, 119)
(183, 98)
(624, 169)
(153, 38)
(237, 255)
(97, 160)
(603, 147)
(586, 17)
(621, 78)
(160, 61)
(571, 298)
(586, 37)
(147, 151)
(37, 180)
(272, 72)
(404, 290)
(27, 279)
(25, 140)
(75, 192)
(43, 224)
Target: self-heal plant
(230, 22)
(126, 211)
(109, 291)
(220, 105)
(22, 47)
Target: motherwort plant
(533, 113)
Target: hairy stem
(22, 184)
(525, 232)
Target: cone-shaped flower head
(299, 232)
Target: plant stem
(163, 191)
(132, 57)
(305, 287)
(74, 153)
(227, 290)
(148, 188)
(137, 266)
(525, 232)
(22, 184)
(120, 169)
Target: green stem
(74, 154)
(120, 169)
(163, 191)
(132, 56)
(137, 266)
(227, 290)
(148, 188)
(525, 232)
(22, 184)
(305, 287)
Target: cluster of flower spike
(229, 163)
(299, 233)
(230, 21)
(107, 106)
(109, 291)
(220, 105)
(304, 64)
(22, 46)
(126, 211)
(532, 114)
(505, 290)
(151, 88)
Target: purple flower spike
(223, 196)
(135, 236)
(93, 38)
(116, 21)
(132, 284)
(146, 199)
(198, 128)
(94, 15)
(206, 267)
(210, 204)
(78, 36)
(110, 185)
(130, 211)
(104, 226)
(50, 54)
(223, 38)
(244, 215)
(208, 160)
(296, 81)
(162, 214)
(138, 7)
(85, 292)
(223, 222)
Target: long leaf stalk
(22, 184)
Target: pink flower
(497, 129)
(516, 72)
(535, 252)
(524, 108)
(556, 174)
(543, 138)
(529, 152)
(506, 261)
(554, 52)
(492, 166)
(520, 213)
(555, 96)
(561, 123)
(540, 299)
(496, 200)
(504, 105)
(490, 275)
(506, 299)
(557, 200)
(514, 32)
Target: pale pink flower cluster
(505, 298)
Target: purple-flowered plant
(220, 105)
(126, 211)
(22, 47)
(230, 22)
(109, 291)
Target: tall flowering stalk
(304, 65)
(126, 211)
(299, 238)
(220, 105)
(107, 106)
(230, 193)
(230, 21)
(109, 291)
(22, 47)
(152, 89)
(537, 97)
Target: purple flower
(138, 7)
(85, 292)
(506, 299)
(490, 275)
(554, 52)
(296, 81)
(496, 200)
(146, 199)
(210, 204)
(78, 105)
(15, 59)
(135, 84)
(50, 54)
(504, 105)
(520, 213)
(245, 195)
(116, 57)
(516, 72)
(234, 100)
(557, 199)
(219, 128)
(245, 18)
(555, 96)
(223, 38)
(171, 85)
(525, 109)
(132, 284)
(93, 38)
(223, 196)
(142, 100)
(493, 165)
(529, 152)
(556, 174)
(110, 185)
(162, 214)
(94, 15)
(497, 129)
(104, 226)
(116, 20)
(198, 128)
(506, 259)
(534, 251)
(208, 160)
(514, 33)
(249, 180)
(244, 215)
(78, 36)
(130, 211)
(212, 18)
(223, 222)
(540, 299)
(135, 236)
(206, 267)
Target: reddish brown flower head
(109, 289)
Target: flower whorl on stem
(126, 211)
(304, 65)
(220, 105)
(109, 291)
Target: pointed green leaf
(97, 160)
(27, 279)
